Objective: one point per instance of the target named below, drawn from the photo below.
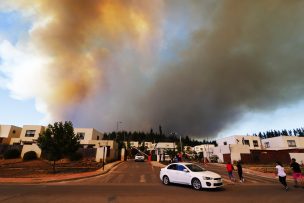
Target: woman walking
(282, 175)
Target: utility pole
(180, 142)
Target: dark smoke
(247, 56)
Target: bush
(30, 155)
(76, 156)
(11, 154)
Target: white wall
(238, 139)
(38, 129)
(220, 150)
(237, 150)
(277, 143)
(298, 156)
(32, 147)
(89, 134)
(7, 132)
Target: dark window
(267, 145)
(81, 136)
(172, 167)
(246, 142)
(97, 137)
(180, 167)
(225, 143)
(291, 143)
(30, 133)
(255, 143)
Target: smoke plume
(193, 67)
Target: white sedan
(139, 157)
(190, 174)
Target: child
(230, 169)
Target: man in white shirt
(282, 175)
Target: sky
(198, 68)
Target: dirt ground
(41, 168)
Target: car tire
(196, 184)
(166, 180)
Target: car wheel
(196, 184)
(166, 180)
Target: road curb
(98, 173)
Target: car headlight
(207, 178)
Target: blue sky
(13, 28)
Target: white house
(89, 137)
(231, 148)
(29, 135)
(206, 149)
(7, 132)
(283, 142)
(252, 142)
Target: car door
(182, 176)
(171, 172)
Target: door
(182, 176)
(171, 172)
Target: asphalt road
(139, 182)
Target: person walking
(296, 172)
(230, 169)
(240, 171)
(281, 174)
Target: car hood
(208, 174)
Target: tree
(58, 141)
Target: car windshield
(195, 168)
(138, 154)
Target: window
(255, 143)
(97, 137)
(195, 168)
(225, 143)
(81, 136)
(291, 143)
(172, 167)
(246, 142)
(180, 168)
(267, 145)
(30, 133)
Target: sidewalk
(61, 177)
(253, 172)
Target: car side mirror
(186, 170)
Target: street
(139, 182)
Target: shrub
(76, 156)
(30, 155)
(11, 154)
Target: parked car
(190, 174)
(139, 157)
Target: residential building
(29, 134)
(206, 149)
(283, 142)
(149, 145)
(231, 148)
(252, 142)
(133, 144)
(89, 137)
(188, 148)
(8, 132)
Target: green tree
(58, 141)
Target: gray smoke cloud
(238, 56)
